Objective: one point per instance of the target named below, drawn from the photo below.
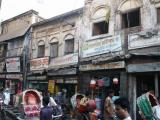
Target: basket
(82, 108)
(100, 83)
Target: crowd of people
(114, 108)
(119, 107)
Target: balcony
(132, 30)
(15, 52)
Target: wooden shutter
(69, 46)
(41, 51)
(54, 50)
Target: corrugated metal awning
(14, 34)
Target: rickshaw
(149, 106)
(29, 103)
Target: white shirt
(128, 118)
(6, 98)
(52, 102)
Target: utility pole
(26, 57)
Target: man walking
(122, 108)
(109, 112)
(46, 112)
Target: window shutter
(41, 51)
(69, 46)
(54, 50)
(158, 15)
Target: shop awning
(36, 77)
(151, 54)
(143, 67)
(69, 71)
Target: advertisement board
(39, 63)
(100, 46)
(70, 59)
(13, 64)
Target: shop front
(142, 77)
(14, 76)
(2, 80)
(37, 77)
(2, 74)
(38, 82)
(63, 70)
(110, 74)
(64, 79)
(14, 82)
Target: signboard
(14, 76)
(71, 81)
(39, 63)
(70, 59)
(13, 64)
(2, 76)
(113, 65)
(36, 77)
(145, 67)
(2, 64)
(135, 41)
(51, 85)
(59, 81)
(100, 46)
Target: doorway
(145, 83)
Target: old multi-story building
(102, 51)
(120, 42)
(54, 53)
(13, 37)
(114, 41)
(140, 22)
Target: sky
(46, 8)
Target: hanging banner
(13, 64)
(51, 85)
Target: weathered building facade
(120, 39)
(112, 40)
(14, 34)
(102, 52)
(54, 53)
(142, 57)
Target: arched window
(53, 47)
(100, 24)
(69, 44)
(41, 49)
(130, 10)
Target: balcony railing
(14, 52)
(132, 30)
